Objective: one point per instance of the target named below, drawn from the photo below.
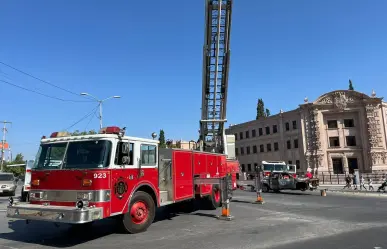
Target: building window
(295, 143)
(351, 140)
(242, 151)
(294, 123)
(287, 126)
(243, 168)
(249, 167)
(349, 123)
(268, 146)
(334, 142)
(332, 124)
(236, 136)
(298, 164)
(276, 146)
(255, 149)
(236, 151)
(261, 148)
(275, 129)
(254, 133)
(288, 145)
(248, 150)
(240, 135)
(290, 162)
(267, 130)
(260, 132)
(255, 167)
(247, 134)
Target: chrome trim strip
(70, 195)
(60, 214)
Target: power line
(45, 95)
(84, 117)
(46, 82)
(91, 118)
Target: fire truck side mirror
(125, 148)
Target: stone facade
(341, 131)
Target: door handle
(182, 173)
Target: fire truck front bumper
(60, 214)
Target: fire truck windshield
(274, 167)
(74, 155)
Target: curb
(359, 193)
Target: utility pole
(3, 142)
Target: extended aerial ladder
(216, 59)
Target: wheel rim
(139, 212)
(217, 195)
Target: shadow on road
(47, 234)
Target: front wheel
(142, 211)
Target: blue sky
(150, 53)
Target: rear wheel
(215, 199)
(141, 213)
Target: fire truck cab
(80, 179)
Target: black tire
(215, 197)
(145, 204)
(265, 188)
(23, 195)
(214, 200)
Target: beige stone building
(340, 131)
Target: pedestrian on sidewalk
(354, 182)
(348, 182)
(362, 183)
(370, 184)
(384, 183)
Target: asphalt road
(286, 220)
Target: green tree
(350, 87)
(260, 109)
(162, 139)
(267, 112)
(17, 171)
(82, 133)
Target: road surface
(286, 221)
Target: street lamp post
(100, 101)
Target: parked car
(8, 183)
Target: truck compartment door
(182, 175)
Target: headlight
(84, 196)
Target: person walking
(370, 184)
(354, 182)
(384, 183)
(348, 182)
(362, 183)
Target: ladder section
(216, 56)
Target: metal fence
(331, 178)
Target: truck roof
(96, 136)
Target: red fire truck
(80, 179)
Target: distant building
(181, 144)
(341, 131)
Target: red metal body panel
(133, 181)
(183, 175)
(101, 180)
(200, 163)
(70, 179)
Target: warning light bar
(59, 134)
(110, 130)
